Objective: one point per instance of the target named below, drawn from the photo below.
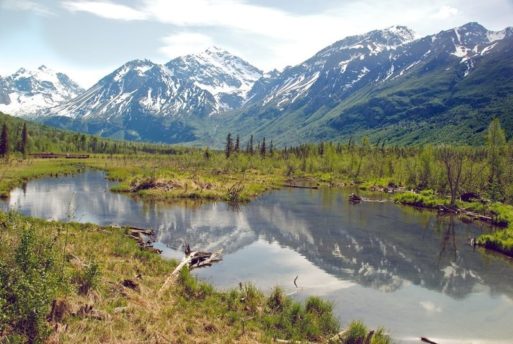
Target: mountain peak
(31, 91)
(217, 51)
(403, 32)
(472, 26)
(225, 76)
(139, 62)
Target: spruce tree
(24, 140)
(496, 143)
(4, 141)
(237, 145)
(251, 150)
(262, 148)
(229, 145)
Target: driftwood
(354, 198)
(59, 155)
(314, 187)
(194, 260)
(426, 340)
(341, 336)
(144, 238)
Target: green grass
(423, 199)
(82, 268)
(500, 240)
(15, 173)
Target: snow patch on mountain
(227, 77)
(27, 92)
(138, 88)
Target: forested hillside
(42, 138)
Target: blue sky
(87, 39)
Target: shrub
(357, 332)
(380, 337)
(87, 279)
(28, 284)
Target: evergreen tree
(271, 148)
(4, 141)
(229, 145)
(321, 149)
(24, 140)
(496, 143)
(251, 150)
(206, 154)
(237, 145)
(262, 148)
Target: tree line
(234, 148)
(485, 170)
(22, 138)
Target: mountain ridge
(383, 84)
(26, 92)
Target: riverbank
(69, 282)
(15, 173)
(494, 213)
(238, 179)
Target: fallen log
(314, 187)
(426, 340)
(194, 260)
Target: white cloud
(105, 9)
(430, 307)
(286, 38)
(26, 5)
(275, 38)
(185, 43)
(445, 12)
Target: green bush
(380, 337)
(291, 320)
(88, 278)
(357, 332)
(28, 285)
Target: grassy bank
(500, 240)
(74, 283)
(501, 215)
(192, 175)
(16, 172)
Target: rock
(128, 283)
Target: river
(392, 266)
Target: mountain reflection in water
(367, 258)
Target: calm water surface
(390, 266)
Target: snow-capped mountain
(342, 66)
(26, 93)
(376, 83)
(383, 77)
(339, 70)
(201, 85)
(138, 88)
(227, 77)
